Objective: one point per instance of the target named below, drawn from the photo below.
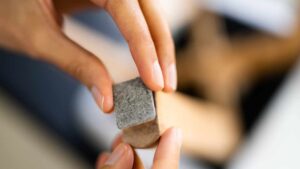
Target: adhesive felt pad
(134, 103)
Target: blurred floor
(274, 141)
(47, 94)
(26, 143)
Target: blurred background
(235, 55)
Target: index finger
(163, 41)
(129, 18)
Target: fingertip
(130, 151)
(174, 134)
(157, 75)
(153, 78)
(118, 140)
(126, 159)
(179, 136)
(98, 97)
(151, 84)
(108, 105)
(168, 150)
(102, 159)
(103, 99)
(170, 77)
(168, 89)
(130, 155)
(170, 141)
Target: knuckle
(76, 70)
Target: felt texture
(133, 103)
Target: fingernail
(179, 136)
(172, 76)
(98, 97)
(116, 154)
(157, 73)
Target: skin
(34, 27)
(166, 156)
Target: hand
(166, 156)
(34, 27)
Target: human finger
(132, 24)
(54, 47)
(121, 158)
(163, 41)
(167, 154)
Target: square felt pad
(134, 103)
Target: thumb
(121, 158)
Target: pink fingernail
(98, 97)
(157, 73)
(179, 136)
(172, 76)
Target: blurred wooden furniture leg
(221, 68)
(210, 132)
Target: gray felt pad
(134, 103)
